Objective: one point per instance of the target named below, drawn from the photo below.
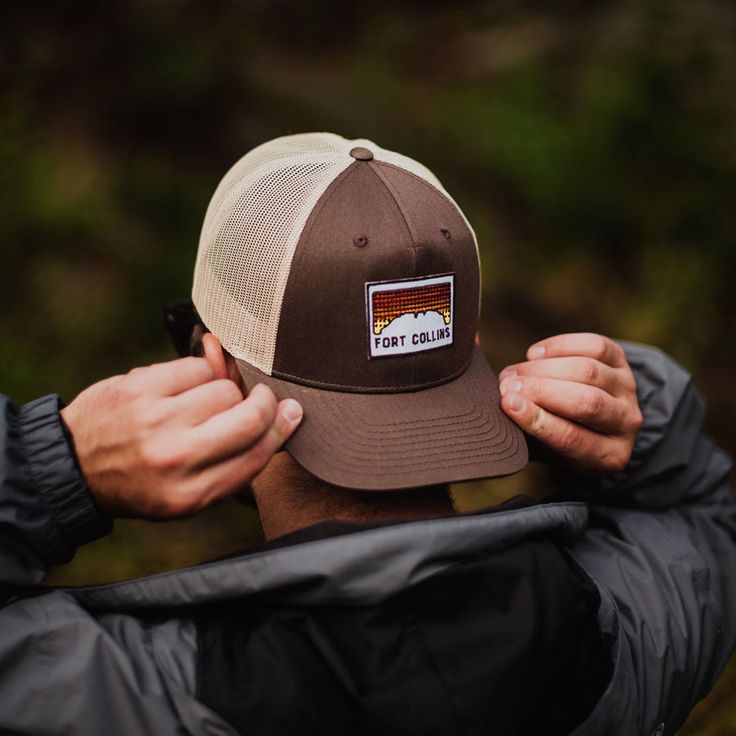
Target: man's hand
(576, 394)
(167, 440)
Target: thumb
(288, 417)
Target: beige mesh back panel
(251, 229)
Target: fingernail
(535, 352)
(508, 373)
(292, 410)
(517, 403)
(509, 384)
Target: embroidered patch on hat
(410, 316)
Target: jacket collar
(361, 567)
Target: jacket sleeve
(659, 472)
(661, 547)
(46, 511)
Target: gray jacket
(658, 541)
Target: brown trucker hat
(344, 276)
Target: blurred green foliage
(591, 145)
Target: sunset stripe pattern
(388, 305)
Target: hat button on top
(361, 154)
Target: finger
(202, 402)
(170, 378)
(587, 405)
(235, 430)
(587, 344)
(576, 369)
(224, 479)
(590, 449)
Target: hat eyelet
(360, 241)
(446, 233)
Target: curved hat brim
(453, 432)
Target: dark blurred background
(591, 145)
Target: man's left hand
(576, 394)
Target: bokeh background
(591, 144)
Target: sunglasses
(180, 319)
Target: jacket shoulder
(109, 673)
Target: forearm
(46, 511)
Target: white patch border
(392, 284)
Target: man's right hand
(167, 440)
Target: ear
(214, 354)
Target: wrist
(57, 475)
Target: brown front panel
(374, 223)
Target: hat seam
(373, 166)
(401, 206)
(335, 387)
(456, 418)
(478, 424)
(492, 442)
(297, 256)
(423, 181)
(467, 417)
(462, 459)
(332, 187)
(502, 450)
(449, 198)
(447, 420)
